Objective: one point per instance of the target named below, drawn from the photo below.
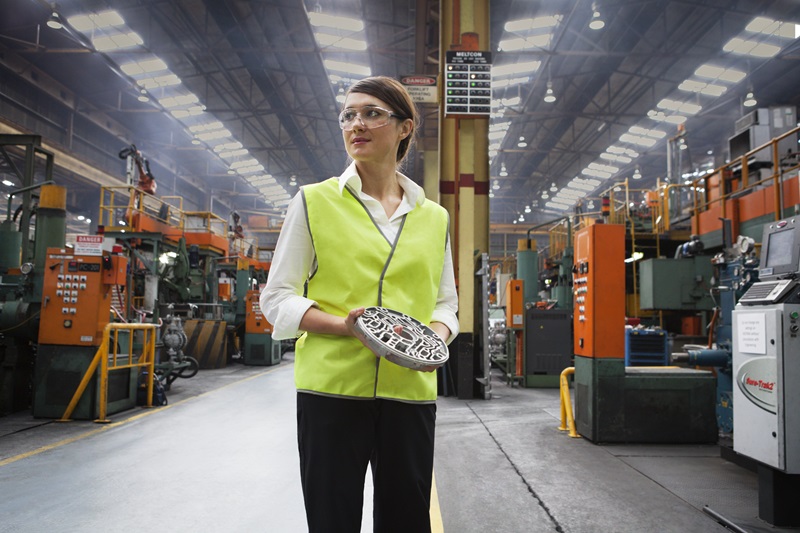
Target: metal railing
(108, 362)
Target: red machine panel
(76, 296)
(255, 321)
(598, 288)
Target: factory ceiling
(252, 114)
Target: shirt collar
(412, 192)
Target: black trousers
(338, 438)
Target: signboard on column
(468, 83)
(421, 88)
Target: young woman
(368, 237)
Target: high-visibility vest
(358, 267)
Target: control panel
(766, 346)
(598, 288)
(255, 321)
(77, 296)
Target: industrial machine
(259, 348)
(766, 370)
(76, 306)
(615, 403)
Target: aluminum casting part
(416, 347)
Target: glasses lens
(371, 117)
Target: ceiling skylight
(349, 68)
(532, 23)
(702, 87)
(525, 43)
(345, 43)
(515, 68)
(117, 41)
(103, 19)
(679, 107)
(713, 72)
(752, 48)
(332, 21)
(777, 28)
(660, 116)
(145, 66)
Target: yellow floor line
(436, 513)
(146, 412)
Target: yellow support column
(464, 180)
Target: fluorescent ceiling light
(638, 140)
(502, 84)
(346, 43)
(350, 68)
(188, 112)
(332, 21)
(769, 26)
(167, 80)
(524, 43)
(620, 150)
(532, 23)
(137, 68)
(713, 72)
(213, 135)
(233, 153)
(515, 68)
(616, 158)
(638, 130)
(118, 41)
(751, 48)
(235, 145)
(603, 168)
(103, 19)
(702, 87)
(595, 173)
(509, 102)
(244, 163)
(660, 116)
(180, 100)
(497, 126)
(206, 126)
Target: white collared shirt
(282, 300)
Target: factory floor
(221, 457)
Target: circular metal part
(416, 346)
(26, 268)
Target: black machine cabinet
(548, 345)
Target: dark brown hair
(393, 93)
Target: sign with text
(468, 83)
(421, 88)
(88, 245)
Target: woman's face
(373, 144)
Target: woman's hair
(393, 93)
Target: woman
(368, 237)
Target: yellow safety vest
(358, 267)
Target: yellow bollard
(567, 418)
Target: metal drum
(417, 346)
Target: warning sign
(421, 88)
(88, 245)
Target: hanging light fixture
(553, 187)
(636, 174)
(749, 99)
(527, 209)
(55, 20)
(503, 171)
(596, 23)
(522, 143)
(496, 185)
(549, 97)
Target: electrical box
(598, 288)
(77, 295)
(514, 304)
(255, 321)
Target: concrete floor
(222, 457)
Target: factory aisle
(222, 458)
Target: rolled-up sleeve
(282, 300)
(446, 308)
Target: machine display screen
(780, 248)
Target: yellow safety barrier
(101, 358)
(567, 419)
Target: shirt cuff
(448, 319)
(291, 312)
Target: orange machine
(255, 321)
(77, 296)
(599, 291)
